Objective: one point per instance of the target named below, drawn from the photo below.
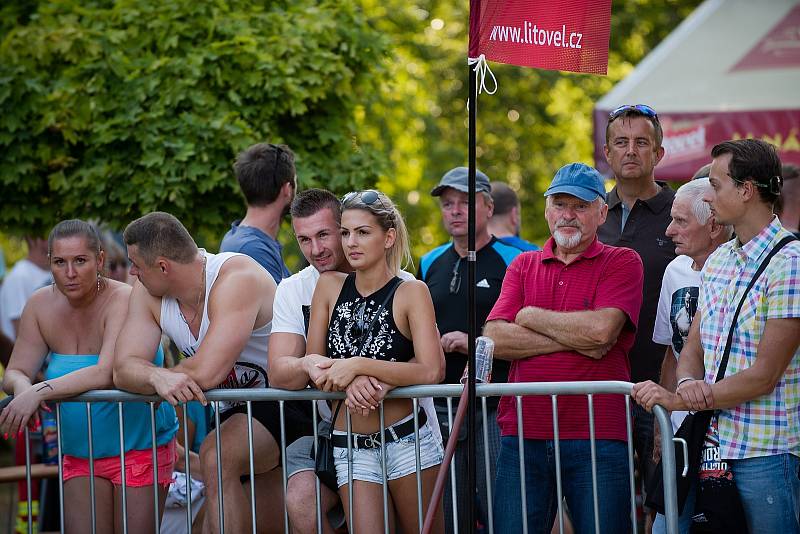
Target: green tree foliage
(111, 109)
(536, 122)
(115, 108)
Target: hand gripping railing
(552, 389)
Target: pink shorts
(138, 467)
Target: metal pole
(471, 463)
(187, 460)
(220, 503)
(154, 448)
(284, 476)
(61, 469)
(28, 478)
(92, 497)
(251, 461)
(317, 488)
(120, 413)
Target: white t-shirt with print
(677, 305)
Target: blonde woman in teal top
(76, 322)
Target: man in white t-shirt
(316, 216)
(27, 275)
(696, 235)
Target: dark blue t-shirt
(259, 246)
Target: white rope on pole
(482, 69)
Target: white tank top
(250, 369)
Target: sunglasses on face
(641, 109)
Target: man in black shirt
(638, 216)
(444, 270)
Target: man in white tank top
(217, 308)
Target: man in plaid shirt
(759, 398)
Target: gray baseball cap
(458, 179)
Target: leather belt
(373, 441)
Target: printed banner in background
(570, 35)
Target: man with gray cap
(444, 270)
(567, 313)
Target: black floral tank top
(353, 314)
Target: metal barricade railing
(551, 389)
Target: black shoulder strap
(724, 363)
(363, 337)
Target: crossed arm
(290, 369)
(537, 331)
(412, 306)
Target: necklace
(199, 299)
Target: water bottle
(484, 354)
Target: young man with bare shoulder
(217, 308)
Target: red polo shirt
(601, 277)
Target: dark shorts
(297, 418)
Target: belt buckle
(372, 441)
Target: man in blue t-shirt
(506, 219)
(267, 178)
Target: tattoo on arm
(44, 385)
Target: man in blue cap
(567, 313)
(444, 270)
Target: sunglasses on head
(641, 109)
(368, 197)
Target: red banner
(570, 35)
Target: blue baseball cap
(578, 180)
(458, 179)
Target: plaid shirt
(770, 424)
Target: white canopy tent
(730, 70)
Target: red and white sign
(570, 35)
(780, 47)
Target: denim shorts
(400, 457)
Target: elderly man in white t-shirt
(696, 235)
(316, 215)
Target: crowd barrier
(551, 389)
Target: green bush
(114, 109)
